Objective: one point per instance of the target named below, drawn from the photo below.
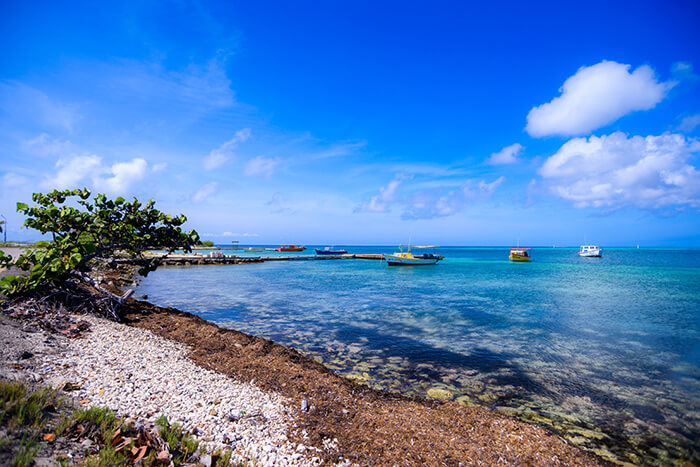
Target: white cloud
(29, 105)
(381, 201)
(261, 166)
(429, 204)
(507, 155)
(615, 171)
(13, 180)
(218, 157)
(204, 192)
(73, 171)
(159, 167)
(690, 123)
(123, 175)
(45, 145)
(195, 89)
(596, 96)
(88, 170)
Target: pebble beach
(142, 376)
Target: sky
(351, 123)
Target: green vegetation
(95, 422)
(97, 230)
(23, 412)
(182, 445)
(207, 243)
(20, 408)
(27, 450)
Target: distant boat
(250, 248)
(406, 258)
(291, 248)
(590, 251)
(330, 251)
(519, 254)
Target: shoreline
(339, 420)
(370, 425)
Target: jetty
(219, 258)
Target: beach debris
(304, 406)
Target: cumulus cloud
(429, 204)
(77, 171)
(615, 170)
(261, 165)
(381, 202)
(204, 192)
(690, 123)
(597, 96)
(122, 175)
(218, 157)
(72, 171)
(507, 155)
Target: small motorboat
(519, 254)
(590, 251)
(291, 248)
(406, 258)
(330, 251)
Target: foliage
(100, 229)
(182, 445)
(25, 455)
(207, 243)
(20, 408)
(97, 421)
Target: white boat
(590, 251)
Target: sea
(603, 351)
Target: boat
(250, 248)
(330, 251)
(291, 248)
(406, 258)
(590, 251)
(519, 254)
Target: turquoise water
(605, 351)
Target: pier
(196, 259)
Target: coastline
(370, 426)
(328, 417)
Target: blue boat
(329, 251)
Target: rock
(144, 296)
(439, 393)
(304, 406)
(164, 458)
(25, 355)
(205, 460)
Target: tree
(207, 243)
(91, 233)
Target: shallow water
(605, 351)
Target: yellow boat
(519, 254)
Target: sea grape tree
(86, 232)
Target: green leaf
(22, 207)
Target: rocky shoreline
(267, 403)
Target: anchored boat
(406, 258)
(330, 251)
(590, 251)
(291, 248)
(519, 254)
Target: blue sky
(363, 123)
